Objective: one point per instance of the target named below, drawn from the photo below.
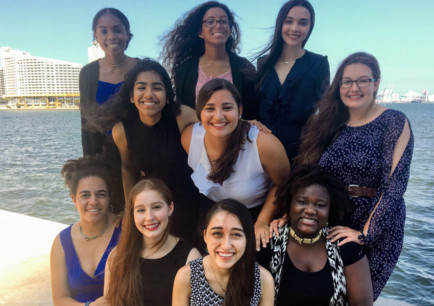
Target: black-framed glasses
(362, 82)
(211, 23)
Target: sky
(399, 33)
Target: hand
(348, 234)
(276, 224)
(261, 234)
(259, 125)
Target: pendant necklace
(216, 278)
(304, 240)
(85, 237)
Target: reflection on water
(35, 144)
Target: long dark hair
(119, 108)
(224, 165)
(183, 42)
(74, 170)
(275, 46)
(125, 280)
(117, 13)
(323, 128)
(306, 175)
(239, 290)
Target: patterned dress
(363, 156)
(202, 294)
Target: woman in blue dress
(79, 253)
(369, 148)
(291, 79)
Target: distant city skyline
(398, 33)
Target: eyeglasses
(363, 82)
(211, 23)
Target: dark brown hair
(323, 128)
(239, 290)
(224, 165)
(183, 42)
(125, 280)
(306, 175)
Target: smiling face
(309, 210)
(356, 98)
(91, 199)
(218, 34)
(149, 96)
(296, 26)
(151, 214)
(225, 240)
(221, 114)
(111, 35)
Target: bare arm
(194, 254)
(59, 276)
(186, 118)
(181, 287)
(186, 138)
(267, 288)
(130, 174)
(359, 284)
(276, 164)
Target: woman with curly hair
(203, 46)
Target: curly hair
(125, 281)
(224, 165)
(74, 170)
(323, 127)
(118, 14)
(275, 46)
(306, 175)
(240, 286)
(183, 42)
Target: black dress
(158, 275)
(157, 152)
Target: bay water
(35, 144)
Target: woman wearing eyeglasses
(291, 80)
(202, 47)
(369, 148)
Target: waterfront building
(94, 52)
(38, 82)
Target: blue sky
(399, 33)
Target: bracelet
(87, 303)
(362, 238)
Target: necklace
(304, 240)
(221, 287)
(119, 64)
(288, 62)
(85, 237)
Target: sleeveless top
(201, 292)
(203, 78)
(248, 183)
(82, 286)
(106, 91)
(158, 274)
(157, 152)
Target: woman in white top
(231, 159)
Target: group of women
(210, 182)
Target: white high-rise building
(29, 79)
(94, 53)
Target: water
(35, 144)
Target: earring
(240, 117)
(95, 43)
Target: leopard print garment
(278, 247)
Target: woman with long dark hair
(231, 159)
(147, 131)
(142, 268)
(202, 46)
(308, 268)
(228, 275)
(369, 148)
(100, 80)
(79, 253)
(291, 80)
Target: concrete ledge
(25, 259)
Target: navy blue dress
(285, 108)
(363, 156)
